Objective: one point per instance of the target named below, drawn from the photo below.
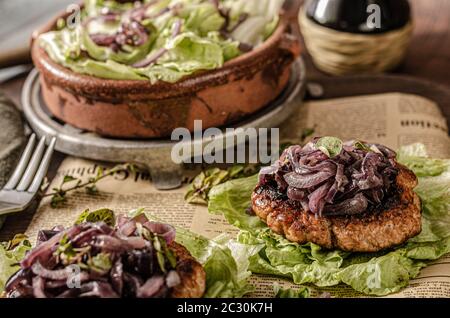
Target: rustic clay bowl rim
(81, 82)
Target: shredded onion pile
(96, 260)
(358, 176)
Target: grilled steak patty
(394, 221)
(192, 274)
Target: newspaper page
(391, 119)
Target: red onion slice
(44, 250)
(316, 199)
(97, 289)
(103, 39)
(173, 279)
(307, 175)
(150, 287)
(176, 28)
(167, 232)
(128, 228)
(151, 59)
(306, 181)
(38, 287)
(356, 205)
(43, 272)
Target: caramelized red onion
(166, 231)
(125, 261)
(131, 33)
(360, 176)
(152, 59)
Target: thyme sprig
(70, 183)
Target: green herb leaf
(199, 188)
(100, 263)
(58, 199)
(68, 179)
(11, 253)
(362, 146)
(331, 146)
(169, 255)
(159, 254)
(65, 251)
(102, 215)
(92, 190)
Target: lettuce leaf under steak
(11, 253)
(226, 263)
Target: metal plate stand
(153, 154)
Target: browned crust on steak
(370, 232)
(192, 274)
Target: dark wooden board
(18, 19)
(428, 55)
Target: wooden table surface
(428, 58)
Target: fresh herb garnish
(100, 263)
(65, 251)
(102, 215)
(59, 194)
(200, 186)
(361, 146)
(331, 146)
(18, 239)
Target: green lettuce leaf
(203, 19)
(415, 157)
(11, 253)
(185, 54)
(261, 22)
(225, 262)
(433, 189)
(301, 292)
(380, 273)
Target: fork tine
(42, 171)
(32, 166)
(18, 172)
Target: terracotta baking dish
(139, 109)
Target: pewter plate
(155, 155)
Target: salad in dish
(159, 40)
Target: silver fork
(24, 184)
